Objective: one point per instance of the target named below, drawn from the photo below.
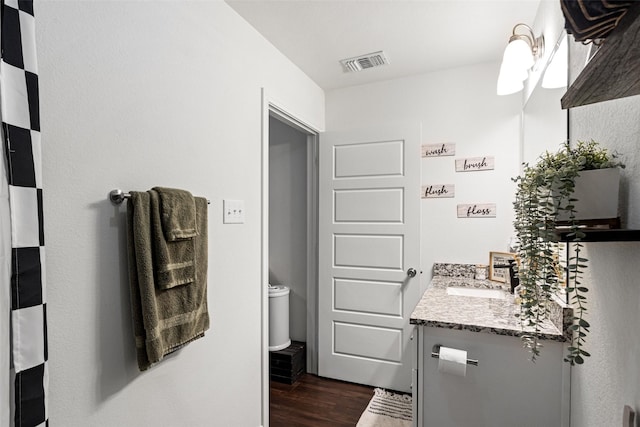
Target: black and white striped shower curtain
(21, 137)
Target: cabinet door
(505, 389)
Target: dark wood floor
(317, 402)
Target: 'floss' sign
(477, 210)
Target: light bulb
(518, 54)
(511, 77)
(507, 84)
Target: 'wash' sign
(438, 191)
(438, 150)
(475, 164)
(477, 210)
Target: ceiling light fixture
(521, 53)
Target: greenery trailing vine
(544, 195)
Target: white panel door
(369, 237)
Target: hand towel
(178, 212)
(174, 261)
(163, 319)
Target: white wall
(610, 378)
(459, 106)
(133, 95)
(288, 220)
(544, 124)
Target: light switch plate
(233, 211)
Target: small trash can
(278, 318)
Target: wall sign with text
(438, 150)
(472, 164)
(438, 191)
(477, 210)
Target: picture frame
(500, 274)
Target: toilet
(278, 318)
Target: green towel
(178, 212)
(163, 319)
(174, 262)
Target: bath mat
(387, 409)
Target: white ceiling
(417, 36)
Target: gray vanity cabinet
(506, 389)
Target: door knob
(412, 272)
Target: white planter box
(597, 193)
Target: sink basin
(476, 292)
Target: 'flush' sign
(438, 191)
(475, 164)
(438, 150)
(477, 210)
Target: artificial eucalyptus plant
(544, 194)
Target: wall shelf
(613, 71)
(604, 235)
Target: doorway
(290, 231)
(293, 225)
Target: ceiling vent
(363, 62)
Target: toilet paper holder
(435, 353)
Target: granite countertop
(439, 309)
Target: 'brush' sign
(473, 164)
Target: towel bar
(118, 196)
(435, 353)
